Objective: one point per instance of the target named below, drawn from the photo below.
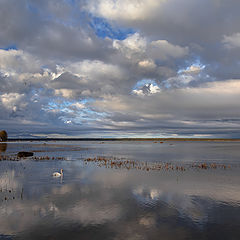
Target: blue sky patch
(196, 63)
(143, 82)
(104, 29)
(10, 47)
(32, 8)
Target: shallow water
(93, 202)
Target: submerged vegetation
(119, 163)
(17, 158)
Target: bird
(57, 174)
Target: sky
(120, 68)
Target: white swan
(57, 174)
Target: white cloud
(124, 9)
(93, 70)
(147, 64)
(179, 81)
(88, 79)
(133, 46)
(13, 101)
(17, 61)
(193, 69)
(21, 71)
(138, 48)
(147, 89)
(66, 93)
(232, 41)
(78, 105)
(162, 49)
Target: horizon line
(123, 139)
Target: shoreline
(125, 139)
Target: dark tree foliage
(3, 136)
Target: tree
(3, 136)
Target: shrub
(3, 136)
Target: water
(95, 201)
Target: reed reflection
(3, 147)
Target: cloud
(147, 89)
(163, 49)
(147, 64)
(88, 79)
(11, 101)
(57, 67)
(45, 31)
(133, 45)
(193, 69)
(136, 46)
(181, 25)
(232, 41)
(123, 9)
(17, 61)
(181, 109)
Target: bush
(3, 136)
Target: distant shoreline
(125, 139)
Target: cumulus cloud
(88, 79)
(124, 9)
(147, 64)
(163, 49)
(11, 101)
(18, 61)
(136, 46)
(174, 22)
(147, 89)
(133, 46)
(193, 69)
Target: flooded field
(120, 190)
